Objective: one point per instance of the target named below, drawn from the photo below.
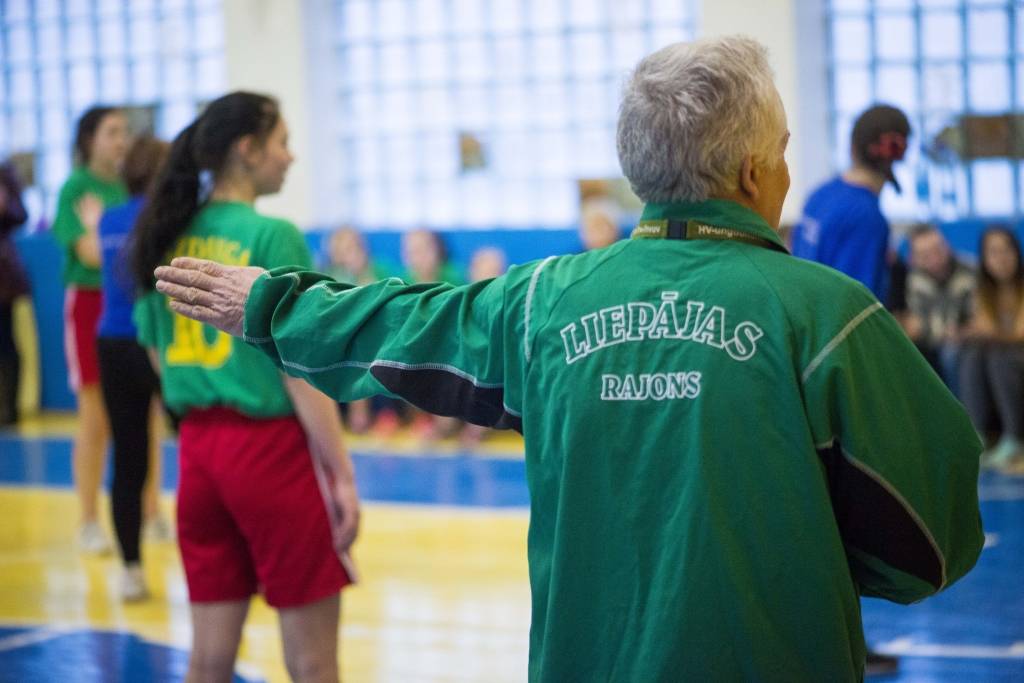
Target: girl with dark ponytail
(261, 455)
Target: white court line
(906, 647)
(32, 637)
(991, 539)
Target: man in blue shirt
(842, 224)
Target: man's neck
(744, 200)
(862, 176)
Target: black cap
(880, 138)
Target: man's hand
(208, 291)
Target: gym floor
(443, 592)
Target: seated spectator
(992, 361)
(426, 260)
(487, 263)
(939, 290)
(348, 259)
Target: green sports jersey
(67, 228)
(726, 446)
(199, 366)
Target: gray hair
(690, 114)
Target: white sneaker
(158, 529)
(133, 584)
(92, 540)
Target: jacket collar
(718, 213)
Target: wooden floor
(444, 594)
(438, 586)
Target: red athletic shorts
(251, 514)
(82, 308)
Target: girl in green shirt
(101, 142)
(257, 451)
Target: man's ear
(749, 178)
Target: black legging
(992, 386)
(129, 385)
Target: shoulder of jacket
(800, 281)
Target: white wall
(276, 46)
(265, 51)
(794, 33)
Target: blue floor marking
(31, 655)
(461, 479)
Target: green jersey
(199, 366)
(726, 446)
(68, 229)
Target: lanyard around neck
(670, 229)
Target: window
(481, 113)
(59, 58)
(940, 61)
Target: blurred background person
(257, 450)
(939, 291)
(13, 284)
(129, 384)
(599, 226)
(348, 260)
(486, 263)
(992, 362)
(842, 224)
(101, 141)
(425, 258)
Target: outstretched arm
(453, 351)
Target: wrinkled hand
(346, 499)
(89, 210)
(208, 291)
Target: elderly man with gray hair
(725, 445)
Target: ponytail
(204, 147)
(171, 204)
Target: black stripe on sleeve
(875, 521)
(445, 393)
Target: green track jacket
(725, 445)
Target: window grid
(933, 188)
(536, 82)
(77, 54)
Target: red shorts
(82, 308)
(251, 513)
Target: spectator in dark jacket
(13, 283)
